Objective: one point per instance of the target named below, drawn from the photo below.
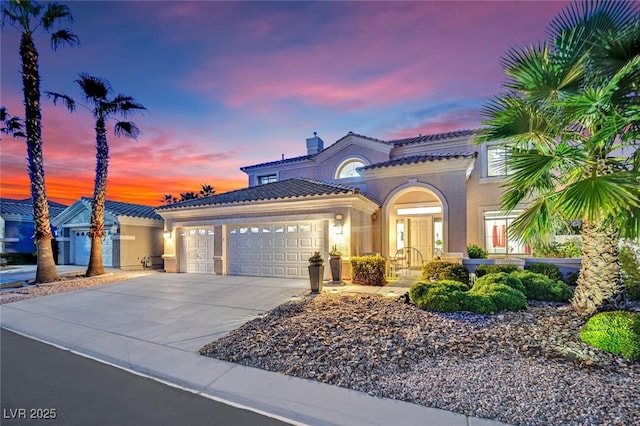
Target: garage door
(82, 248)
(196, 250)
(274, 250)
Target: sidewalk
(154, 326)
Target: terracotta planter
(316, 273)
(336, 268)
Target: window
(267, 179)
(348, 168)
(496, 234)
(496, 161)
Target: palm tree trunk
(46, 270)
(96, 232)
(600, 286)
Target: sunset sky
(229, 84)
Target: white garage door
(196, 250)
(82, 248)
(274, 250)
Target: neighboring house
(17, 228)
(423, 196)
(133, 240)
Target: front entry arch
(415, 227)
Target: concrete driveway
(182, 311)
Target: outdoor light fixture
(166, 234)
(338, 224)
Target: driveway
(181, 311)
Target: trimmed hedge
(501, 278)
(368, 270)
(453, 296)
(476, 252)
(493, 268)
(541, 287)
(549, 269)
(20, 258)
(617, 332)
(439, 270)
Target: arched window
(348, 168)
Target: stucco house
(133, 240)
(17, 228)
(423, 196)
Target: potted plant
(316, 272)
(335, 261)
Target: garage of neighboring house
(268, 230)
(82, 247)
(274, 250)
(133, 235)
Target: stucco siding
(136, 243)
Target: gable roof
(435, 137)
(118, 208)
(25, 207)
(423, 158)
(289, 188)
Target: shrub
(630, 271)
(476, 252)
(501, 278)
(440, 270)
(558, 250)
(541, 287)
(485, 269)
(549, 269)
(502, 296)
(478, 303)
(368, 270)
(617, 332)
(20, 258)
(440, 296)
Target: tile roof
(433, 137)
(118, 208)
(283, 161)
(290, 188)
(25, 207)
(423, 158)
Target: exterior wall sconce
(338, 224)
(166, 234)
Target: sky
(231, 84)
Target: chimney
(314, 144)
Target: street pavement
(44, 385)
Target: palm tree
(185, 196)
(169, 199)
(206, 190)
(571, 116)
(29, 17)
(11, 125)
(104, 105)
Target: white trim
(123, 237)
(424, 168)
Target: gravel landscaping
(523, 368)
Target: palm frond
(94, 89)
(68, 100)
(62, 37)
(127, 129)
(536, 222)
(617, 47)
(127, 105)
(599, 196)
(54, 13)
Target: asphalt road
(44, 385)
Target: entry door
(421, 237)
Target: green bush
(617, 332)
(541, 287)
(440, 296)
(485, 268)
(558, 250)
(441, 270)
(452, 296)
(476, 252)
(503, 296)
(549, 269)
(20, 258)
(368, 270)
(630, 271)
(501, 278)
